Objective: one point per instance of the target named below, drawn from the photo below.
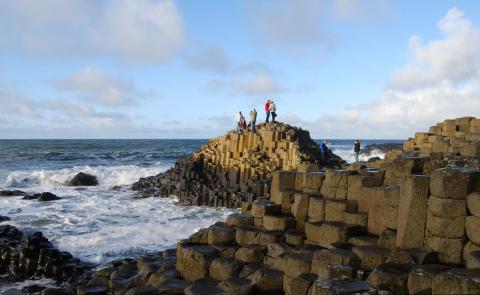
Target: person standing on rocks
(356, 150)
(253, 120)
(238, 120)
(273, 110)
(267, 110)
(324, 150)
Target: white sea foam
(99, 224)
(347, 154)
(107, 175)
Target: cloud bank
(441, 80)
(134, 30)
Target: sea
(107, 222)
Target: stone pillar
(412, 211)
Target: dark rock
(8, 193)
(373, 159)
(42, 197)
(83, 179)
(34, 257)
(4, 218)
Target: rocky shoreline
(407, 224)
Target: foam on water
(99, 224)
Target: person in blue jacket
(324, 150)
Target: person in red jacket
(267, 110)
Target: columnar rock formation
(457, 137)
(33, 257)
(237, 167)
(410, 226)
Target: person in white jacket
(238, 120)
(273, 110)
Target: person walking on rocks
(253, 120)
(273, 110)
(324, 150)
(356, 150)
(267, 110)
(238, 120)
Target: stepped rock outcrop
(408, 225)
(238, 167)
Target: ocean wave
(347, 154)
(107, 175)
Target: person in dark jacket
(324, 150)
(356, 150)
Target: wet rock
(42, 197)
(83, 179)
(11, 193)
(4, 218)
(34, 256)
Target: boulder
(224, 268)
(420, 279)
(4, 218)
(298, 285)
(326, 233)
(236, 286)
(42, 197)
(371, 256)
(11, 193)
(472, 259)
(267, 280)
(246, 235)
(250, 254)
(449, 250)
(239, 219)
(262, 207)
(446, 227)
(293, 264)
(83, 179)
(278, 222)
(334, 257)
(457, 281)
(472, 227)
(338, 286)
(193, 261)
(453, 183)
(220, 234)
(447, 208)
(473, 202)
(389, 276)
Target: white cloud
(215, 60)
(452, 59)
(441, 81)
(290, 25)
(95, 85)
(137, 30)
(365, 10)
(258, 84)
(255, 86)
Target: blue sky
(182, 69)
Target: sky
(370, 69)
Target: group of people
(270, 109)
